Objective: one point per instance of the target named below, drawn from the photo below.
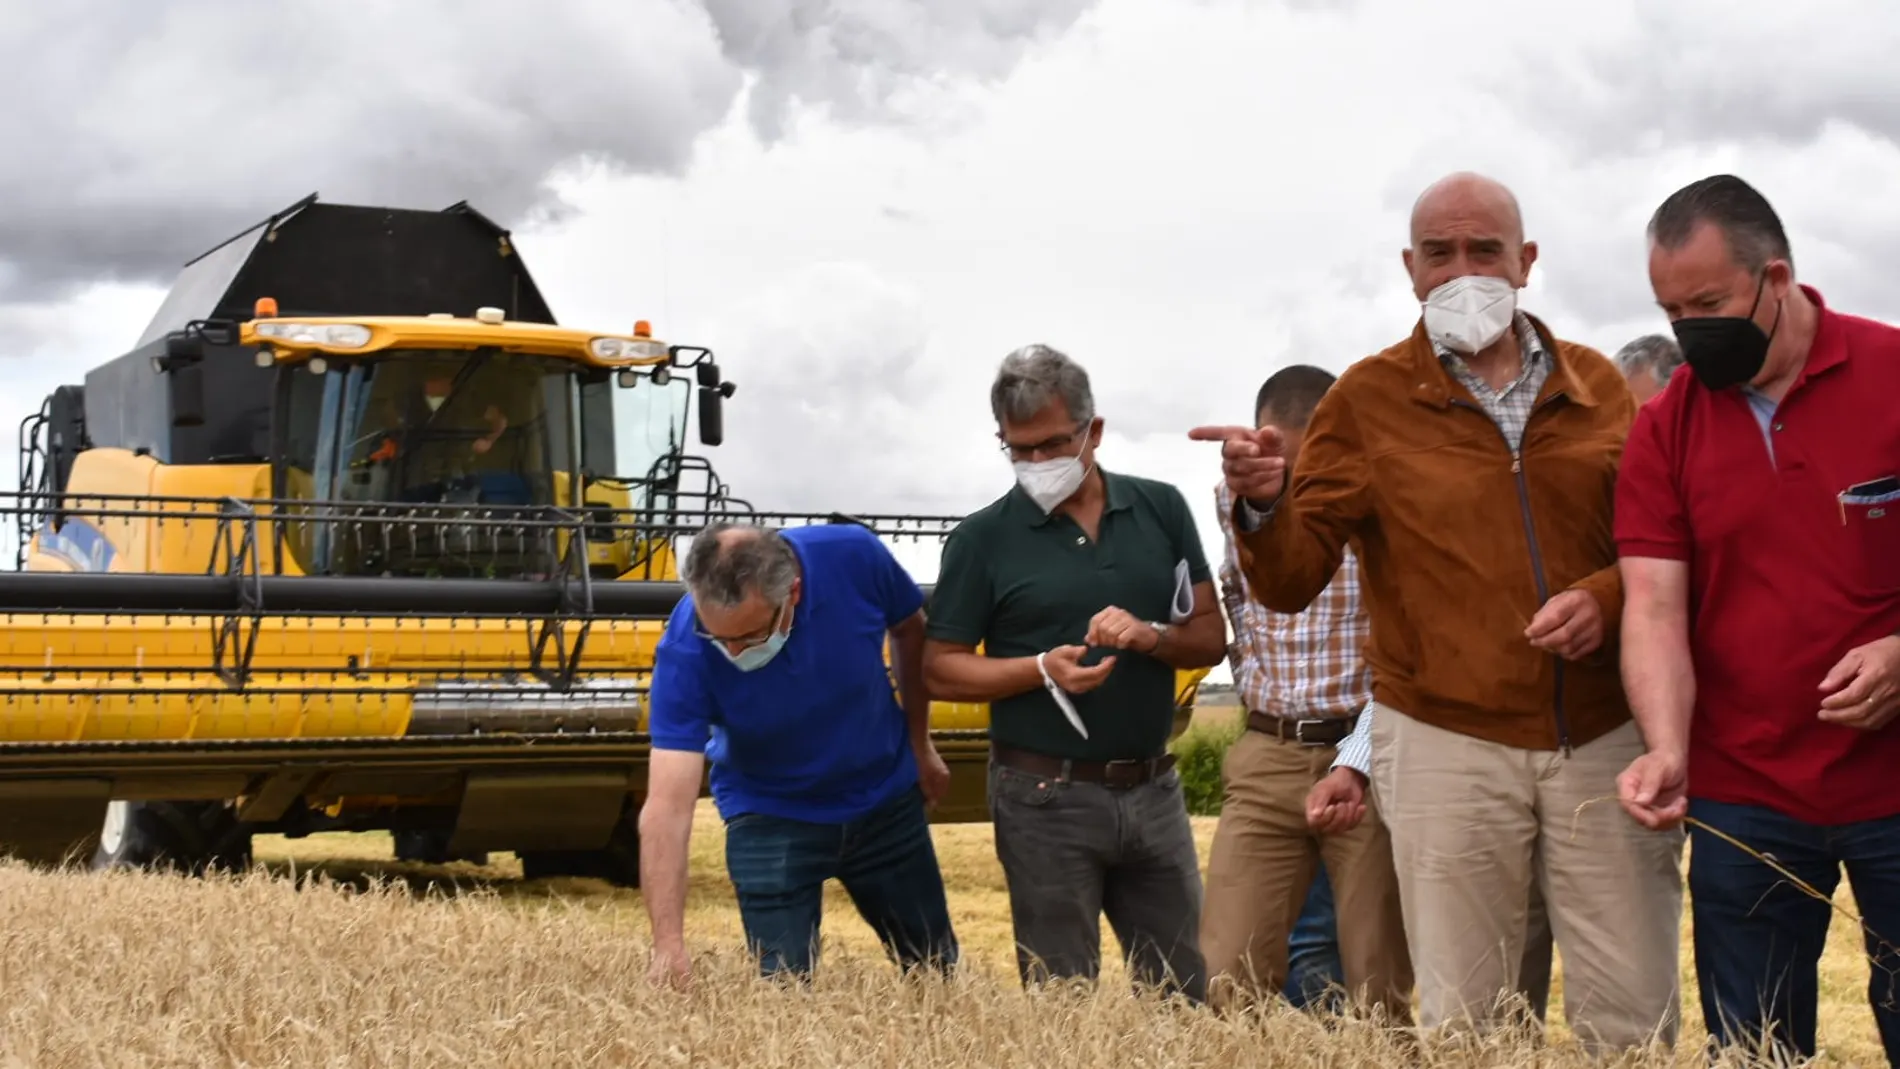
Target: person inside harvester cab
(421, 413)
(444, 429)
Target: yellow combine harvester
(323, 553)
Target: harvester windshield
(422, 427)
(487, 432)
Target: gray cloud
(139, 135)
(837, 407)
(857, 55)
(1693, 73)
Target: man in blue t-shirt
(772, 668)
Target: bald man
(1471, 468)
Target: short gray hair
(1657, 354)
(1034, 375)
(724, 572)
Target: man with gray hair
(1074, 563)
(1647, 363)
(772, 668)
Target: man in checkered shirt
(1303, 682)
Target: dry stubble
(356, 968)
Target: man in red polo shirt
(1758, 522)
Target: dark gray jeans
(1074, 851)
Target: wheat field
(329, 954)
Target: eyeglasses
(1056, 446)
(747, 641)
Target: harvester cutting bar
(184, 595)
(275, 599)
(318, 596)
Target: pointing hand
(1252, 460)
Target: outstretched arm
(1292, 527)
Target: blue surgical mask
(753, 658)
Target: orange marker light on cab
(265, 308)
(642, 329)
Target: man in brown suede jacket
(1472, 468)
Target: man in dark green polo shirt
(1071, 565)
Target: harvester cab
(356, 538)
(497, 421)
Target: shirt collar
(1829, 347)
(1115, 495)
(1529, 344)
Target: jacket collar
(1437, 388)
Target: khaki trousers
(1473, 823)
(1263, 861)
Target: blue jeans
(1313, 965)
(885, 860)
(1758, 940)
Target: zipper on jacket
(1537, 557)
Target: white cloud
(1183, 196)
(142, 135)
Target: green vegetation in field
(1199, 751)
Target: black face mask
(1726, 351)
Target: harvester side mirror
(712, 424)
(183, 367)
(707, 373)
(188, 394)
(183, 347)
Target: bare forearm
(907, 656)
(972, 677)
(1659, 677)
(666, 830)
(1199, 643)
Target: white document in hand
(1062, 699)
(1183, 606)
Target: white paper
(1062, 700)
(1183, 595)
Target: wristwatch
(1161, 629)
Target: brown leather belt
(1116, 774)
(1329, 732)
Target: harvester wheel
(618, 862)
(430, 846)
(193, 837)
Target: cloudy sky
(862, 205)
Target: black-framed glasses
(1048, 446)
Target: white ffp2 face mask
(1469, 313)
(1050, 482)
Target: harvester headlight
(626, 348)
(340, 335)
